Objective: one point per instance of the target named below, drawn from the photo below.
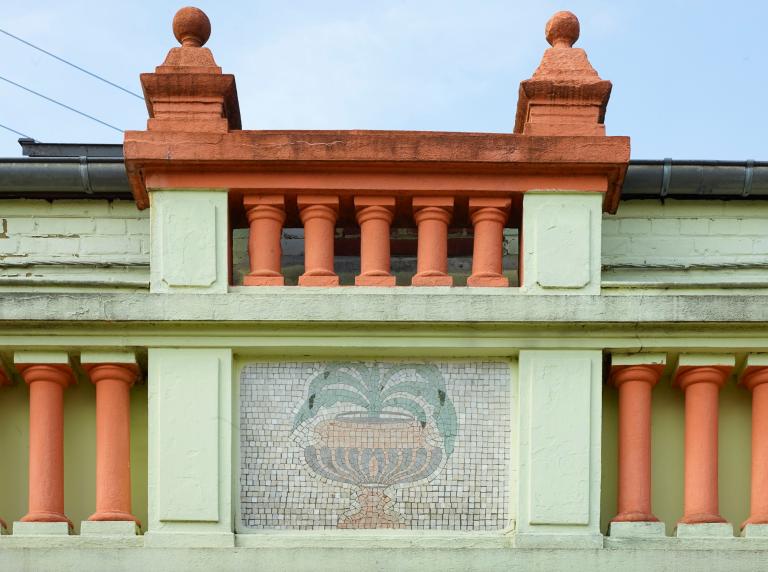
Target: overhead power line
(16, 132)
(77, 67)
(64, 105)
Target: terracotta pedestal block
(113, 439)
(318, 214)
(488, 218)
(46, 440)
(374, 215)
(432, 215)
(635, 383)
(266, 216)
(755, 379)
(701, 385)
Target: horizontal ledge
(403, 304)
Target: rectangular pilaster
(561, 242)
(190, 241)
(559, 432)
(190, 435)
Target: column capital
(703, 368)
(306, 201)
(57, 373)
(125, 372)
(419, 203)
(755, 371)
(5, 378)
(649, 373)
(264, 206)
(478, 203)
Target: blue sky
(690, 79)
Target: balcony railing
(375, 216)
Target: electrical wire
(16, 132)
(77, 67)
(64, 105)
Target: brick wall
(76, 244)
(73, 244)
(686, 243)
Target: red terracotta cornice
(194, 138)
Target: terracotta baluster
(635, 383)
(318, 214)
(374, 215)
(755, 378)
(432, 215)
(488, 218)
(266, 216)
(701, 385)
(113, 439)
(46, 440)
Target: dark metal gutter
(692, 180)
(66, 170)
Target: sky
(690, 79)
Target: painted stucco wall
(86, 244)
(79, 450)
(717, 244)
(73, 244)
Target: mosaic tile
(415, 445)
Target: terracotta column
(755, 378)
(266, 216)
(432, 215)
(701, 385)
(318, 214)
(374, 215)
(113, 439)
(635, 383)
(46, 440)
(488, 218)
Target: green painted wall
(668, 441)
(79, 447)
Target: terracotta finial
(562, 29)
(191, 27)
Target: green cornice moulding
(403, 304)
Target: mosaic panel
(353, 445)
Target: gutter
(59, 171)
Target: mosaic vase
(373, 453)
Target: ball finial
(191, 27)
(562, 30)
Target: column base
(375, 280)
(112, 516)
(259, 280)
(324, 281)
(36, 517)
(108, 528)
(701, 518)
(755, 530)
(24, 528)
(488, 281)
(704, 530)
(637, 529)
(3, 527)
(432, 280)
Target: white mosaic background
(279, 492)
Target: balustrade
(48, 375)
(700, 377)
(376, 216)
